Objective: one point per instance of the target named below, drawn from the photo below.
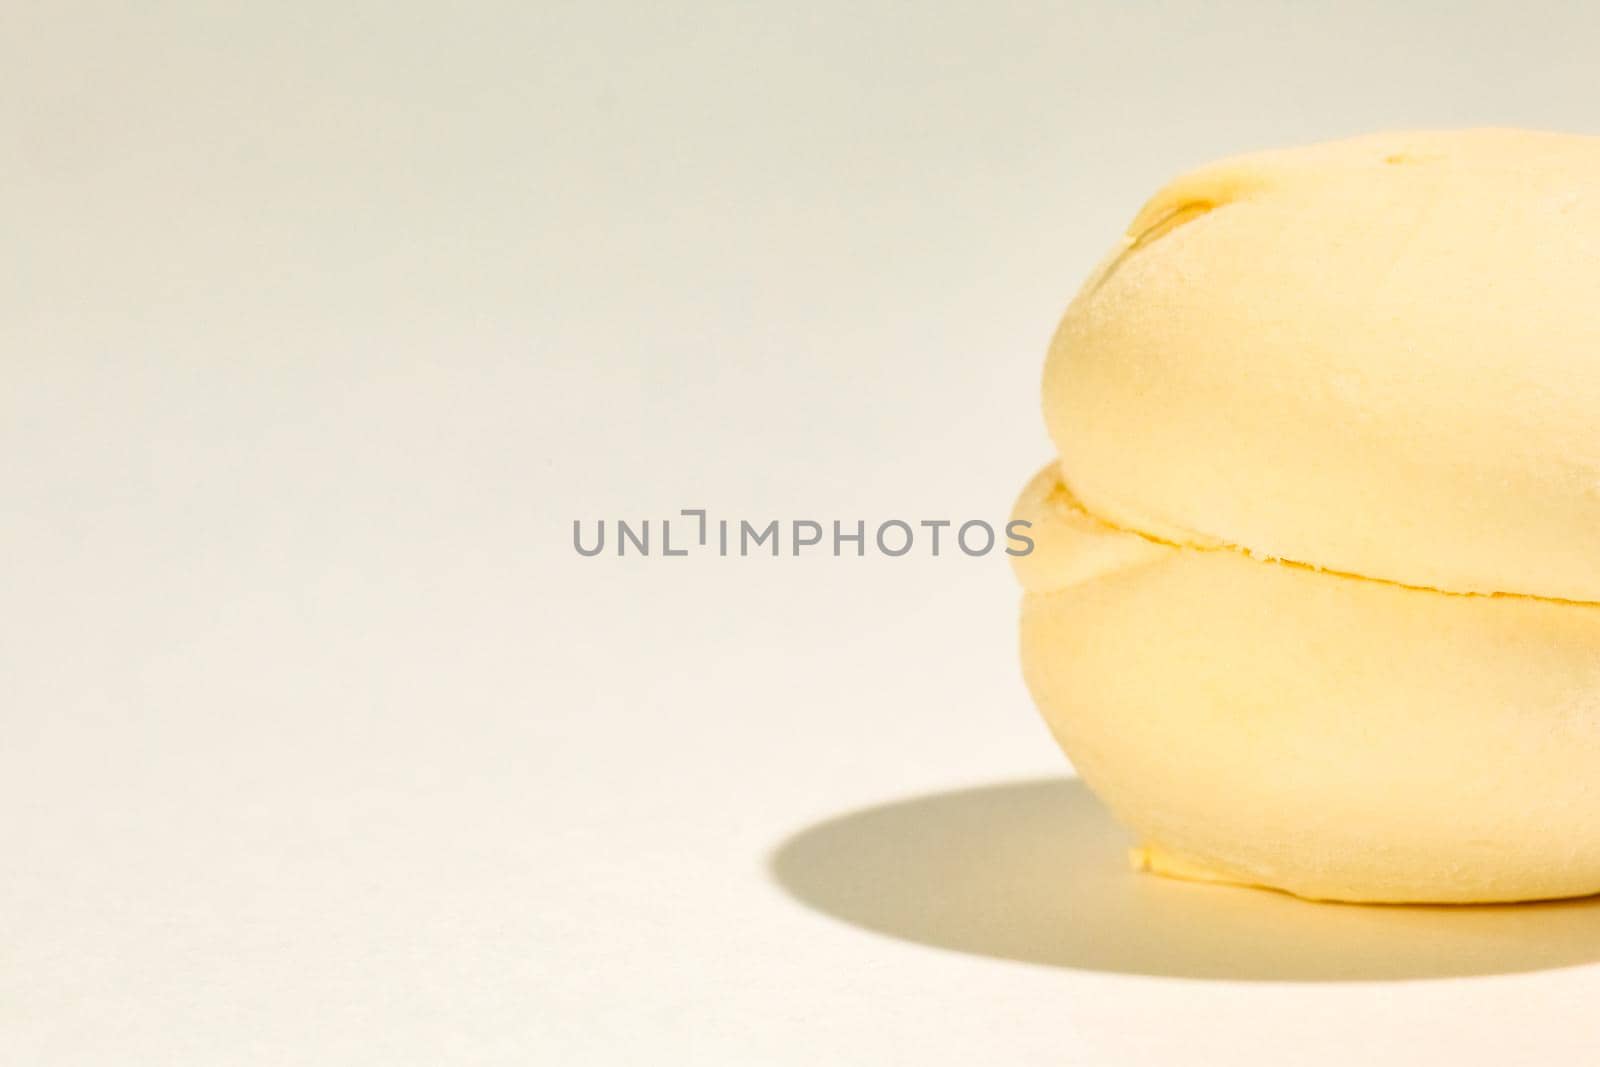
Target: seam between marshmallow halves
(1063, 497)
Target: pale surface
(321, 323)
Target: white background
(320, 323)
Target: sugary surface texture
(1380, 356)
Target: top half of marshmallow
(1379, 356)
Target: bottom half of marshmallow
(1333, 736)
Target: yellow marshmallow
(1312, 406)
